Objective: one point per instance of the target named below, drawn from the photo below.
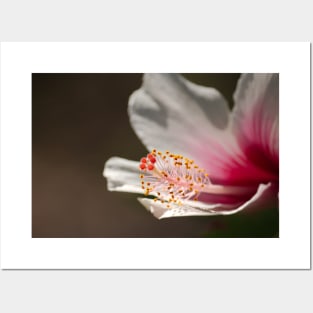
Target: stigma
(171, 178)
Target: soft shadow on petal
(255, 118)
(265, 196)
(168, 113)
(122, 175)
(182, 96)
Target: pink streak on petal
(258, 138)
(232, 166)
(225, 199)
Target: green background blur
(78, 122)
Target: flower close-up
(203, 158)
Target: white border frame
(290, 251)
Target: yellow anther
(171, 177)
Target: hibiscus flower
(203, 158)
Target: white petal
(160, 210)
(170, 113)
(122, 175)
(264, 196)
(255, 115)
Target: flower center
(171, 177)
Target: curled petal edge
(195, 208)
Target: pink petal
(227, 164)
(254, 125)
(255, 119)
(170, 113)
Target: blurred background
(78, 122)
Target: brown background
(78, 122)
